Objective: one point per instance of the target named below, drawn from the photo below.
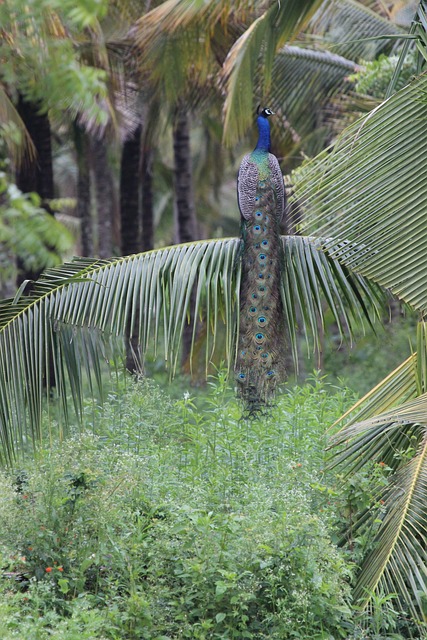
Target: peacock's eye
(262, 320)
(258, 214)
(270, 373)
(262, 256)
(264, 243)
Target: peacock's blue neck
(263, 143)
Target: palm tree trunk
(147, 238)
(184, 204)
(183, 182)
(105, 197)
(83, 190)
(36, 176)
(130, 226)
(129, 194)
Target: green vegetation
(166, 519)
(162, 520)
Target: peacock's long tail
(260, 363)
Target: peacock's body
(260, 357)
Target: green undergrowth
(165, 521)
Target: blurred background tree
(117, 112)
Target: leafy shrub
(171, 522)
(375, 76)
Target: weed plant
(163, 521)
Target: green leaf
(369, 195)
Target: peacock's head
(264, 113)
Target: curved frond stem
(80, 310)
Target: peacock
(260, 362)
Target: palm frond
(147, 295)
(372, 190)
(256, 49)
(353, 30)
(407, 381)
(397, 562)
(397, 387)
(314, 282)
(14, 131)
(305, 82)
(417, 31)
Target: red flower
(60, 568)
(382, 464)
(48, 569)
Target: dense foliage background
(136, 509)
